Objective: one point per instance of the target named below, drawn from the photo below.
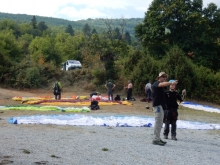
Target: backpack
(94, 105)
(56, 89)
(117, 98)
(132, 99)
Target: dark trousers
(110, 95)
(148, 95)
(129, 93)
(167, 127)
(58, 96)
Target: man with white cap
(159, 103)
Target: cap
(162, 74)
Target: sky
(74, 10)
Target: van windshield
(74, 62)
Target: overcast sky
(74, 10)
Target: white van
(71, 64)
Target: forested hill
(98, 23)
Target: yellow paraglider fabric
(75, 102)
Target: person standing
(148, 91)
(57, 89)
(159, 103)
(171, 114)
(129, 90)
(110, 86)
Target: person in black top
(159, 101)
(171, 113)
(110, 86)
(57, 89)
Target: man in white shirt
(148, 91)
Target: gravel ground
(86, 145)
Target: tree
(127, 37)
(94, 31)
(12, 25)
(69, 47)
(34, 22)
(9, 47)
(10, 53)
(24, 42)
(42, 26)
(44, 50)
(176, 64)
(69, 29)
(87, 30)
(117, 33)
(109, 47)
(183, 23)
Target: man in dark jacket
(159, 101)
(171, 113)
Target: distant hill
(98, 24)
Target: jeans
(148, 95)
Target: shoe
(156, 142)
(174, 138)
(165, 137)
(163, 141)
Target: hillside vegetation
(98, 24)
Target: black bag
(117, 98)
(132, 99)
(94, 105)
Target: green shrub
(32, 78)
(90, 87)
(99, 76)
(208, 85)
(180, 68)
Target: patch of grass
(214, 132)
(198, 115)
(54, 156)
(26, 151)
(105, 149)
(6, 162)
(41, 162)
(6, 156)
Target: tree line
(98, 23)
